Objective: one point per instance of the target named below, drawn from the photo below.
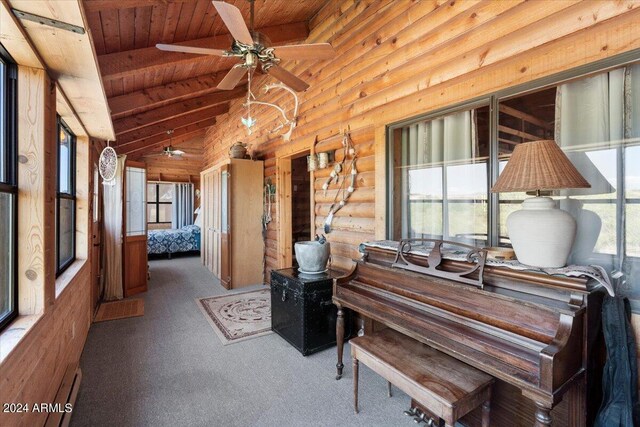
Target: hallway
(168, 368)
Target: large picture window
(441, 167)
(595, 121)
(159, 203)
(8, 190)
(66, 199)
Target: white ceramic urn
(541, 234)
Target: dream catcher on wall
(108, 165)
(347, 166)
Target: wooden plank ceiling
(150, 91)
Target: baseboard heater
(67, 394)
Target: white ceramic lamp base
(541, 234)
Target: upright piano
(538, 335)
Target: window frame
(9, 183)
(495, 98)
(61, 125)
(479, 102)
(587, 70)
(157, 203)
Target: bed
(185, 239)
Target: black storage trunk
(302, 311)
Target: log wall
(398, 59)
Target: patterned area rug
(240, 316)
(120, 310)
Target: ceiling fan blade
(287, 78)
(234, 21)
(232, 78)
(190, 49)
(317, 51)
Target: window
(595, 120)
(159, 203)
(66, 199)
(8, 190)
(135, 202)
(96, 194)
(441, 166)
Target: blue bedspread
(171, 241)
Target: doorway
(295, 206)
(300, 203)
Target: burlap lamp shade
(538, 165)
(541, 234)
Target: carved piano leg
(340, 341)
(543, 415)
(355, 384)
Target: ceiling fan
(253, 48)
(169, 151)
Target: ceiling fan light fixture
(255, 48)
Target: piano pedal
(420, 417)
(410, 412)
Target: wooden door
(206, 223)
(214, 202)
(225, 228)
(208, 232)
(134, 249)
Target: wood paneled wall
(32, 373)
(179, 169)
(165, 169)
(398, 59)
(50, 332)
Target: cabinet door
(205, 212)
(135, 236)
(214, 203)
(225, 228)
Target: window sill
(68, 275)
(15, 333)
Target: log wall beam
(130, 62)
(171, 124)
(186, 133)
(100, 5)
(158, 96)
(157, 115)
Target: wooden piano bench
(448, 388)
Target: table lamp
(541, 234)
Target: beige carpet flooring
(168, 368)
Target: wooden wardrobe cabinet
(231, 208)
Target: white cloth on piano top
(595, 272)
